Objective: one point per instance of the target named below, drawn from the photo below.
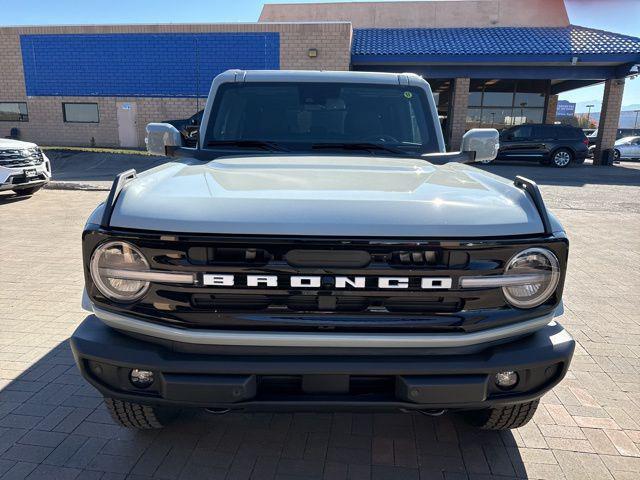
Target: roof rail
(532, 189)
(118, 184)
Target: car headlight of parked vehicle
(541, 270)
(118, 271)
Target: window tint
(529, 99)
(321, 113)
(569, 133)
(522, 133)
(546, 131)
(80, 112)
(13, 112)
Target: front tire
(27, 191)
(616, 155)
(502, 418)
(136, 416)
(562, 158)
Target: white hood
(325, 196)
(8, 143)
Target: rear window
(315, 113)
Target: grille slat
(25, 157)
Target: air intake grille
(24, 157)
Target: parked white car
(24, 168)
(627, 147)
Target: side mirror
(484, 142)
(160, 136)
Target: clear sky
(622, 16)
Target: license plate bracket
(30, 173)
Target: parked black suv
(188, 128)
(557, 145)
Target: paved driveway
(52, 425)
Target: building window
(504, 103)
(13, 112)
(80, 112)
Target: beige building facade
(46, 124)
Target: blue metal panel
(495, 42)
(149, 65)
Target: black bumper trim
(206, 380)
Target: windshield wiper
(272, 146)
(359, 146)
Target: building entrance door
(127, 124)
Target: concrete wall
(437, 14)
(46, 125)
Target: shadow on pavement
(73, 166)
(53, 425)
(624, 173)
(8, 196)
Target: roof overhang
(572, 53)
(506, 70)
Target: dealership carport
(495, 77)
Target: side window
(13, 112)
(554, 132)
(523, 133)
(572, 133)
(540, 131)
(80, 113)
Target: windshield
(626, 141)
(299, 116)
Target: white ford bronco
(319, 250)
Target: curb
(54, 185)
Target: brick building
(501, 63)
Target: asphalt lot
(52, 425)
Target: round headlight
(110, 262)
(540, 271)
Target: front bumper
(14, 178)
(311, 378)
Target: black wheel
(502, 418)
(616, 155)
(134, 415)
(562, 158)
(27, 191)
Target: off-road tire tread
(510, 416)
(133, 415)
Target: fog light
(141, 378)
(506, 380)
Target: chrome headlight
(113, 264)
(538, 273)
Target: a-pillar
(609, 117)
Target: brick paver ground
(53, 426)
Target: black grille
(286, 307)
(24, 157)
